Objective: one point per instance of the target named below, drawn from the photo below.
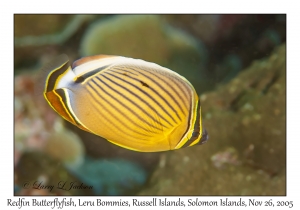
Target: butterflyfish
(132, 103)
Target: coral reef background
(237, 64)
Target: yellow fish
(132, 103)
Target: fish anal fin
(56, 100)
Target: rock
(232, 39)
(35, 130)
(39, 24)
(99, 148)
(65, 146)
(111, 176)
(149, 38)
(36, 172)
(246, 123)
(253, 104)
(204, 26)
(39, 36)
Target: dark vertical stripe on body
(111, 113)
(124, 105)
(128, 108)
(108, 119)
(178, 82)
(132, 102)
(162, 80)
(123, 87)
(141, 69)
(160, 96)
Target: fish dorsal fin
(90, 63)
(90, 58)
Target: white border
(8, 8)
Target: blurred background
(237, 64)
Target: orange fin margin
(55, 101)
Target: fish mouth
(204, 137)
